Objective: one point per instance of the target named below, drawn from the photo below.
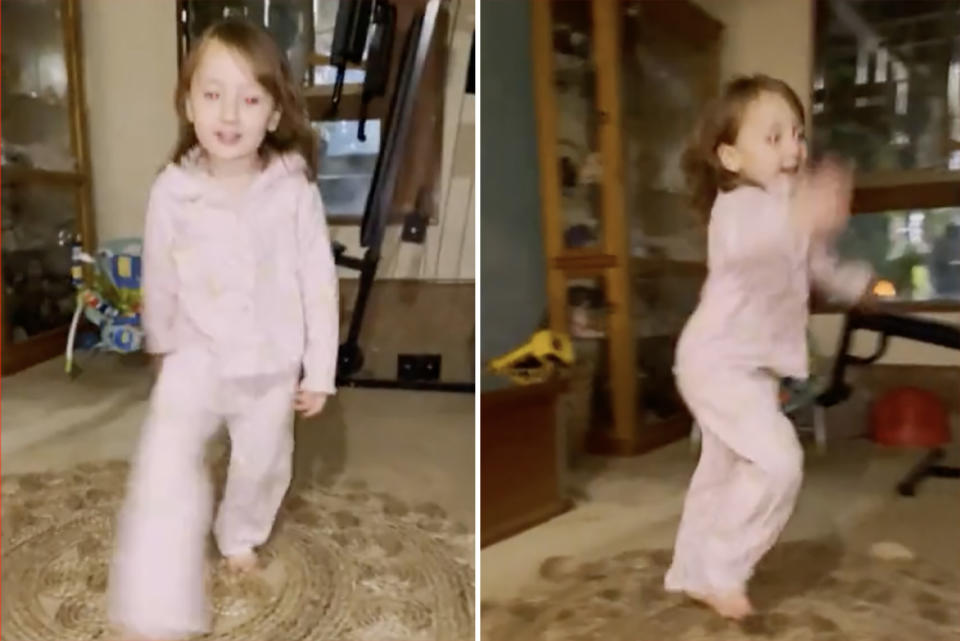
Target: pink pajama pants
(746, 482)
(157, 579)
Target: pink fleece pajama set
(240, 292)
(748, 330)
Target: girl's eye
(253, 100)
(211, 95)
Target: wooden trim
(13, 174)
(584, 263)
(895, 306)
(520, 524)
(551, 209)
(607, 25)
(522, 394)
(78, 113)
(918, 195)
(37, 349)
(898, 177)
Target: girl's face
(770, 143)
(231, 112)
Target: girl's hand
(821, 198)
(309, 403)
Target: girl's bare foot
(243, 562)
(730, 605)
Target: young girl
(771, 223)
(240, 293)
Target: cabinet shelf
(644, 266)
(13, 174)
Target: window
(917, 251)
(886, 93)
(346, 167)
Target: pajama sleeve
(841, 281)
(160, 282)
(319, 292)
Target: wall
(775, 37)
(130, 64)
(512, 279)
(769, 36)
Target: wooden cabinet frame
(610, 260)
(42, 347)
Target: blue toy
(112, 300)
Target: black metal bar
(427, 386)
(920, 471)
(349, 42)
(918, 329)
(377, 75)
(383, 184)
(371, 260)
(888, 325)
(380, 200)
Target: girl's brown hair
(720, 124)
(272, 71)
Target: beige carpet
(807, 590)
(345, 562)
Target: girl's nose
(793, 148)
(228, 110)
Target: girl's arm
(846, 282)
(320, 293)
(160, 282)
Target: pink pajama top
(248, 276)
(753, 308)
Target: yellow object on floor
(536, 360)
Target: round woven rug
(343, 563)
(806, 591)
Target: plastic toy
(536, 360)
(111, 301)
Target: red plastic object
(909, 417)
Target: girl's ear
(188, 109)
(729, 157)
(274, 121)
